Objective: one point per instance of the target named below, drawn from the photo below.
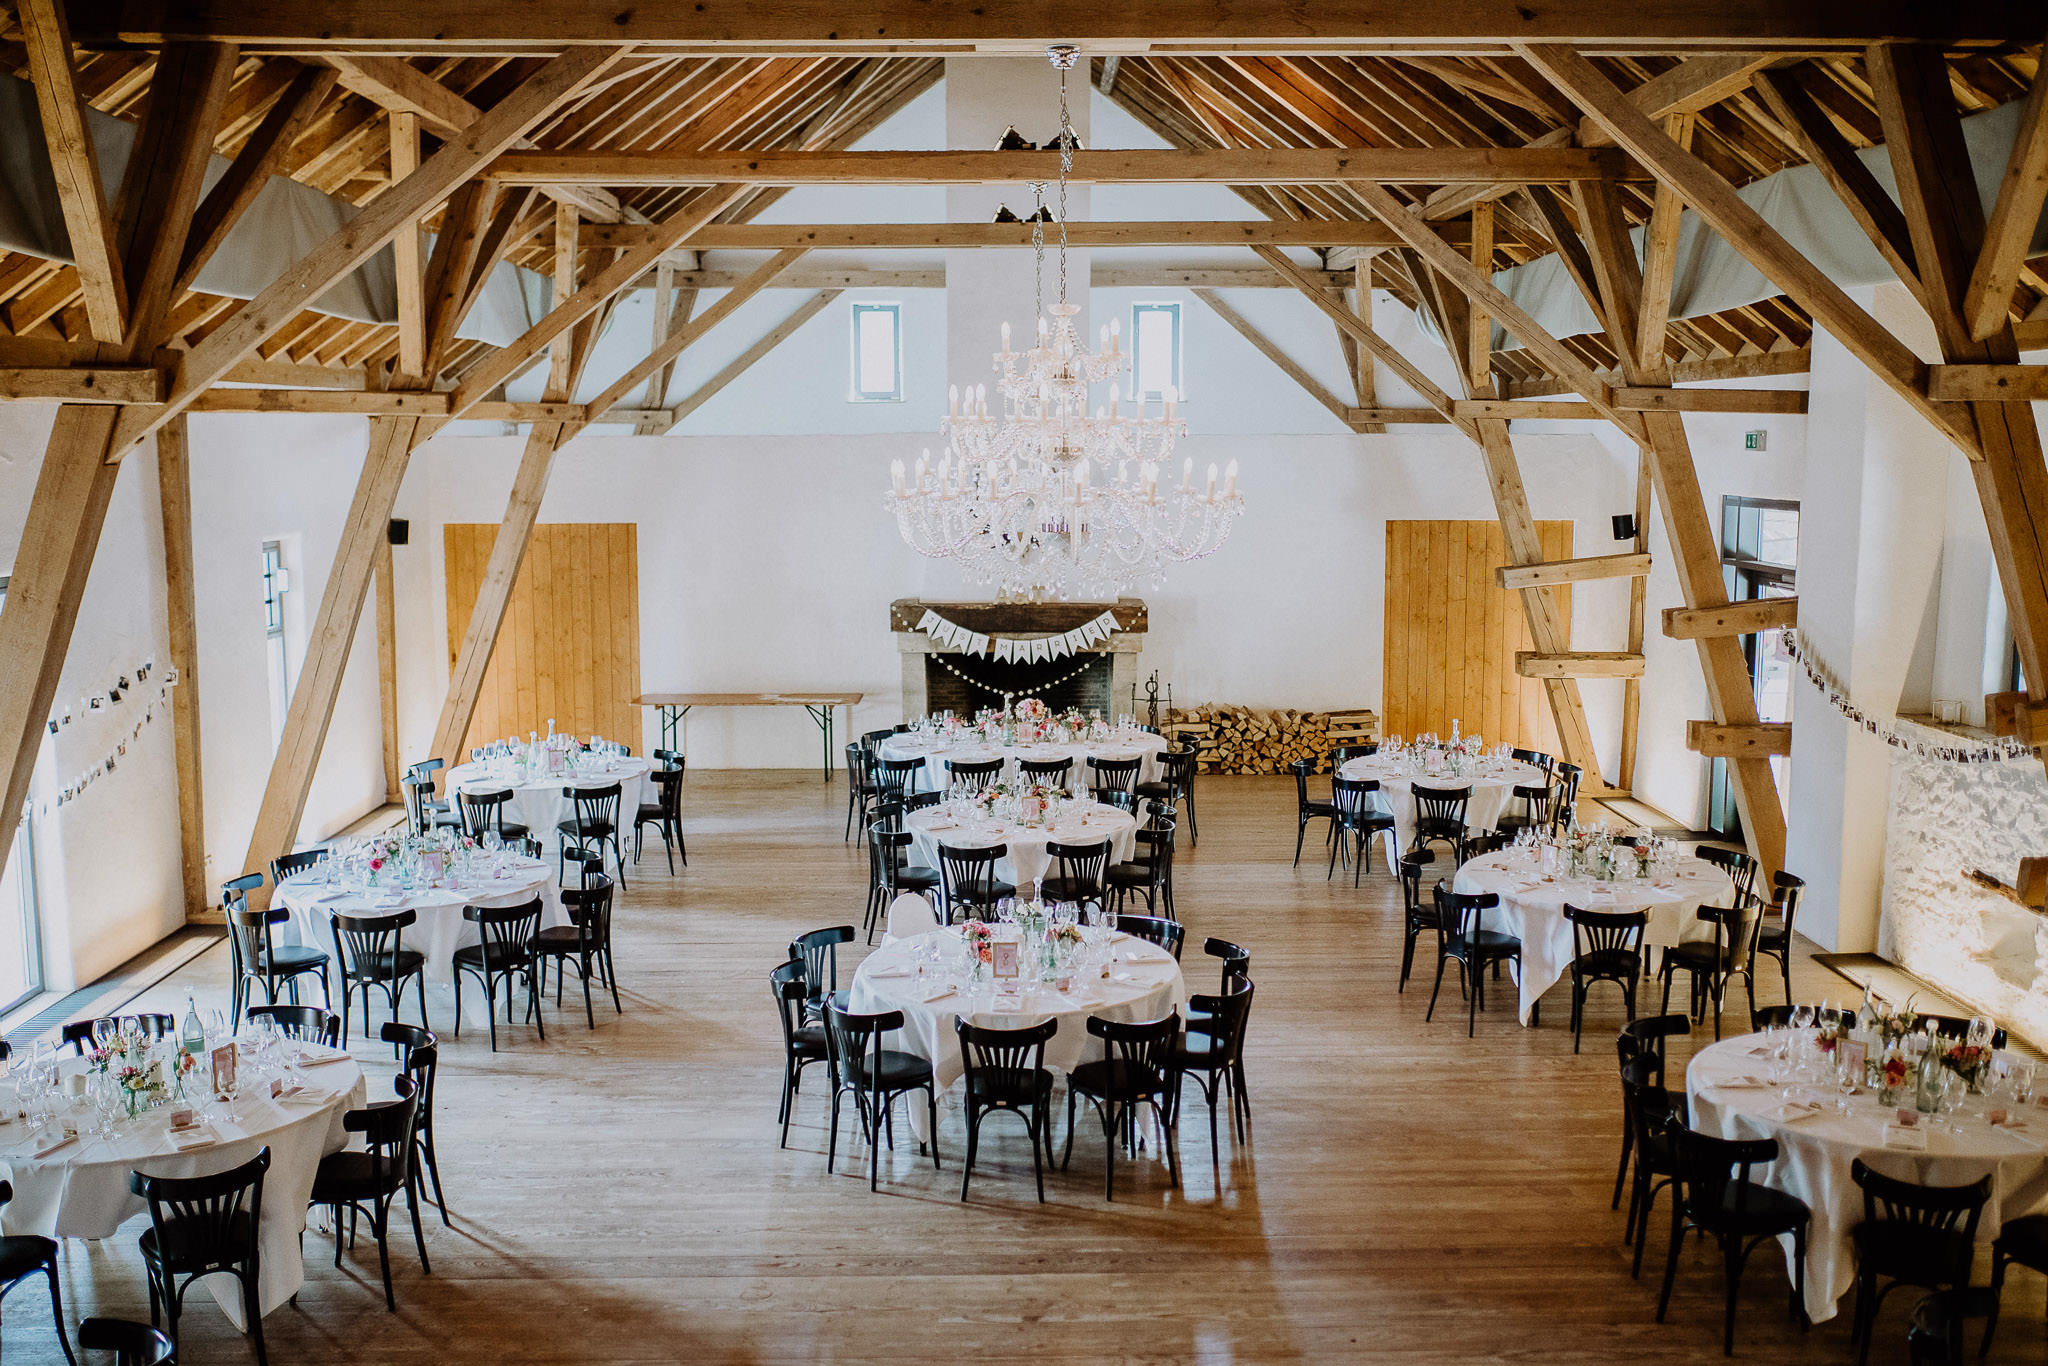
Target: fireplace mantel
(1019, 621)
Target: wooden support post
(1638, 603)
(174, 491)
(327, 647)
(387, 673)
(1363, 378)
(406, 254)
(1987, 303)
(75, 165)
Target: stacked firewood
(1234, 739)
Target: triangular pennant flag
(978, 645)
(927, 621)
(1041, 650)
(1076, 641)
(1002, 650)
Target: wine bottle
(194, 1032)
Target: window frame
(1172, 308)
(855, 312)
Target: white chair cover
(910, 914)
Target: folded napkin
(940, 825)
(1128, 977)
(891, 972)
(1741, 1082)
(322, 1059)
(51, 1140)
(339, 894)
(198, 1136)
(1906, 1139)
(1118, 937)
(1792, 1111)
(939, 994)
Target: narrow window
(276, 583)
(21, 957)
(877, 354)
(1155, 349)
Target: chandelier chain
(1066, 169)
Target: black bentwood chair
(1607, 946)
(1459, 938)
(372, 954)
(1716, 1195)
(255, 953)
(23, 1255)
(133, 1344)
(503, 953)
(1418, 911)
(585, 941)
(1642, 1038)
(419, 1057)
(593, 824)
(1774, 934)
(876, 1076)
(803, 1042)
(1360, 822)
(1647, 1123)
(1005, 1070)
(1175, 788)
(1910, 1235)
(1211, 1050)
(1306, 810)
(366, 1182)
(201, 1226)
(665, 812)
(1134, 1071)
(484, 813)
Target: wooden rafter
(75, 164)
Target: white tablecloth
(1532, 908)
(1125, 745)
(1145, 985)
(537, 801)
(1027, 861)
(1493, 784)
(81, 1190)
(1814, 1156)
(440, 930)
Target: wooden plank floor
(1408, 1195)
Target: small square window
(1155, 350)
(877, 354)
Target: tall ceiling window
(877, 354)
(1155, 349)
(277, 660)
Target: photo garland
(115, 695)
(1991, 752)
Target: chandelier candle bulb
(1210, 492)
(1230, 480)
(1187, 475)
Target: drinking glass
(1847, 1079)
(1982, 1028)
(1802, 1018)
(1954, 1091)
(2023, 1081)
(106, 1099)
(104, 1031)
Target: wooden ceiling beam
(1008, 26)
(1308, 232)
(75, 165)
(1987, 306)
(1234, 165)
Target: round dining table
(935, 751)
(1533, 898)
(538, 800)
(79, 1188)
(1026, 862)
(1493, 783)
(921, 976)
(1731, 1093)
(502, 879)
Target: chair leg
(1671, 1255)
(1430, 1014)
(973, 1147)
(57, 1309)
(588, 1018)
(1731, 1275)
(381, 1226)
(434, 1173)
(412, 1206)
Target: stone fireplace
(938, 678)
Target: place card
(1852, 1055)
(52, 1140)
(1910, 1140)
(223, 1063)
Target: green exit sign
(1752, 441)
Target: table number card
(1852, 1054)
(223, 1060)
(1003, 962)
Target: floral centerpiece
(981, 939)
(142, 1078)
(1889, 1075)
(1970, 1061)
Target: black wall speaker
(399, 532)
(1624, 527)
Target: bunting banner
(1014, 650)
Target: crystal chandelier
(1056, 496)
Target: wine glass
(1802, 1018)
(1847, 1079)
(1982, 1028)
(104, 1032)
(1954, 1091)
(2023, 1081)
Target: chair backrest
(1458, 914)
(1735, 929)
(506, 931)
(969, 875)
(1645, 1036)
(818, 951)
(1177, 767)
(1080, 866)
(367, 946)
(1154, 851)
(1114, 782)
(666, 759)
(1412, 865)
(1353, 796)
(1139, 1051)
(894, 777)
(668, 792)
(1956, 1027)
(850, 1037)
(285, 865)
(593, 809)
(482, 811)
(1237, 961)
(132, 1343)
(1440, 809)
(589, 908)
(1344, 754)
(249, 934)
(387, 1128)
(918, 801)
(205, 1210)
(1533, 757)
(419, 1057)
(1564, 794)
(857, 762)
(1714, 1176)
(786, 982)
(1605, 931)
(909, 914)
(419, 794)
(156, 1025)
(1301, 768)
(1155, 929)
(1739, 866)
(1222, 1017)
(313, 1024)
(1058, 772)
(1786, 890)
(1930, 1210)
(1780, 1017)
(1645, 1104)
(1004, 1064)
(976, 775)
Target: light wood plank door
(1452, 633)
(570, 645)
